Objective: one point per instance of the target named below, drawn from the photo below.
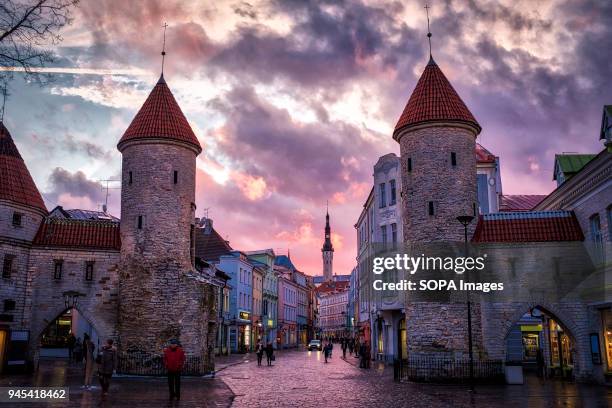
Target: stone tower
(328, 252)
(160, 296)
(437, 137)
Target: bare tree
(28, 30)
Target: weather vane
(428, 31)
(163, 53)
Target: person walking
(107, 361)
(260, 352)
(540, 363)
(362, 355)
(174, 360)
(351, 344)
(357, 348)
(269, 354)
(78, 351)
(327, 351)
(71, 341)
(88, 350)
(344, 347)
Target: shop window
(17, 219)
(89, 269)
(595, 349)
(7, 268)
(57, 269)
(607, 337)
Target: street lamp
(71, 298)
(465, 220)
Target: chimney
(208, 226)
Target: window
(394, 235)
(140, 221)
(383, 195)
(383, 233)
(453, 158)
(431, 208)
(175, 177)
(595, 229)
(7, 268)
(482, 188)
(57, 269)
(9, 304)
(393, 192)
(609, 213)
(17, 218)
(89, 267)
(409, 164)
(130, 178)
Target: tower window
(409, 164)
(140, 221)
(7, 268)
(89, 268)
(431, 208)
(130, 178)
(17, 219)
(453, 158)
(57, 269)
(175, 177)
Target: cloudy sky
(294, 101)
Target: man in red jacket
(174, 359)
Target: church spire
(327, 250)
(327, 245)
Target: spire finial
(327, 206)
(428, 31)
(163, 53)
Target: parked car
(315, 345)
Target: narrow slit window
(130, 178)
(140, 221)
(7, 268)
(17, 219)
(175, 177)
(409, 164)
(453, 158)
(431, 208)
(89, 269)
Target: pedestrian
(174, 360)
(344, 347)
(540, 363)
(88, 350)
(327, 351)
(367, 355)
(331, 348)
(107, 361)
(351, 344)
(357, 348)
(260, 352)
(269, 354)
(78, 351)
(71, 341)
(362, 355)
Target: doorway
(3, 337)
(402, 346)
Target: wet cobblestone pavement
(302, 379)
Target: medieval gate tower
(160, 295)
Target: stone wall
(98, 302)
(434, 178)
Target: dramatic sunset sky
(294, 101)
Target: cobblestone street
(302, 379)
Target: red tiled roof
(483, 155)
(434, 99)
(519, 202)
(160, 117)
(331, 287)
(210, 246)
(16, 183)
(57, 232)
(536, 226)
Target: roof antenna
(163, 53)
(428, 31)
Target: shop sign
(244, 315)
(270, 323)
(531, 327)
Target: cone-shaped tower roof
(327, 244)
(16, 183)
(160, 117)
(434, 100)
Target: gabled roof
(519, 202)
(16, 183)
(571, 164)
(64, 233)
(284, 260)
(332, 287)
(434, 100)
(160, 117)
(209, 245)
(533, 226)
(483, 155)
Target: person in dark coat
(269, 353)
(174, 361)
(351, 345)
(327, 351)
(107, 361)
(71, 342)
(540, 363)
(260, 352)
(362, 355)
(344, 346)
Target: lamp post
(465, 220)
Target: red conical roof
(434, 100)
(160, 118)
(16, 183)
